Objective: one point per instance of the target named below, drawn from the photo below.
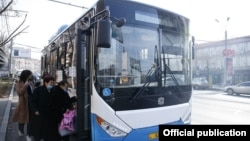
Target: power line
(68, 4)
(28, 46)
(14, 13)
(21, 11)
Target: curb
(216, 89)
(5, 120)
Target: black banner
(202, 132)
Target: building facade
(223, 62)
(21, 59)
(26, 63)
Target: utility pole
(226, 58)
(10, 58)
(228, 18)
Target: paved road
(214, 107)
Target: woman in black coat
(40, 105)
(60, 103)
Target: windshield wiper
(145, 85)
(153, 70)
(168, 70)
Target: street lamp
(225, 50)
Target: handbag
(67, 125)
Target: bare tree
(5, 39)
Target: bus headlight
(109, 128)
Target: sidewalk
(5, 104)
(217, 87)
(8, 130)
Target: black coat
(60, 102)
(40, 101)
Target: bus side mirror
(104, 33)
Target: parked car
(200, 83)
(240, 88)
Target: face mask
(49, 87)
(65, 90)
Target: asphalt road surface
(214, 107)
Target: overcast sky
(44, 17)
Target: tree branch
(10, 36)
(9, 39)
(6, 7)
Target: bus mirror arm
(91, 21)
(104, 32)
(119, 22)
(104, 27)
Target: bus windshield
(148, 64)
(130, 62)
(139, 61)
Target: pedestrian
(40, 104)
(24, 87)
(60, 104)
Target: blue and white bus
(129, 65)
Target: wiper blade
(167, 69)
(145, 85)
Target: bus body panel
(140, 134)
(137, 118)
(136, 123)
(155, 116)
(98, 134)
(101, 109)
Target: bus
(129, 64)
